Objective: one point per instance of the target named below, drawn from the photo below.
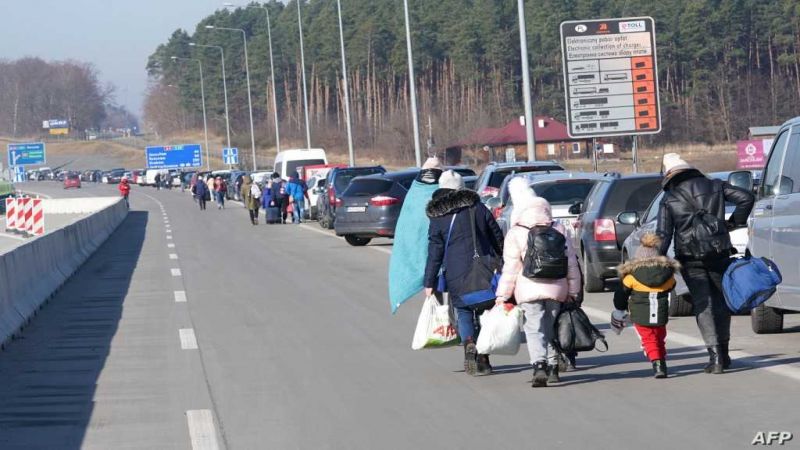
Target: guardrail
(31, 273)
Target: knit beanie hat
(673, 162)
(527, 203)
(451, 180)
(649, 248)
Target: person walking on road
(251, 197)
(158, 180)
(460, 227)
(279, 195)
(297, 192)
(693, 213)
(540, 278)
(647, 278)
(125, 190)
(220, 190)
(201, 193)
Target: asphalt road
(297, 349)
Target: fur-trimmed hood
(650, 271)
(448, 201)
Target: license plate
(357, 209)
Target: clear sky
(116, 36)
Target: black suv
(599, 234)
(335, 183)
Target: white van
(287, 161)
(150, 176)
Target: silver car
(680, 300)
(774, 226)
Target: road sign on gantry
(230, 155)
(174, 156)
(610, 77)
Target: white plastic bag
(435, 326)
(500, 331)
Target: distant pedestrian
(460, 227)
(220, 190)
(643, 294)
(158, 181)
(125, 190)
(297, 192)
(539, 296)
(251, 196)
(703, 253)
(201, 193)
(210, 184)
(279, 195)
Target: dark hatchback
(371, 206)
(336, 183)
(599, 233)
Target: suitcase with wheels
(273, 214)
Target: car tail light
(332, 195)
(337, 202)
(497, 212)
(604, 230)
(383, 200)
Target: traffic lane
(55, 189)
(301, 352)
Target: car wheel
(356, 241)
(680, 305)
(766, 320)
(591, 282)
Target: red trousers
(653, 341)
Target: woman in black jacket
(687, 192)
(452, 204)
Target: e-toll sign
(610, 77)
(174, 156)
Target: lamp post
(413, 90)
(346, 89)
(271, 72)
(249, 97)
(224, 86)
(203, 101)
(526, 82)
(303, 67)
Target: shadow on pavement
(49, 374)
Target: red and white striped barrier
(11, 214)
(36, 225)
(28, 216)
(20, 224)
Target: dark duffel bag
(575, 333)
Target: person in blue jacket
(297, 192)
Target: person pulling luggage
(692, 213)
(643, 294)
(541, 271)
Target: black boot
(726, 357)
(483, 366)
(660, 368)
(552, 374)
(714, 360)
(470, 358)
(539, 374)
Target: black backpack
(546, 256)
(709, 237)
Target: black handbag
(575, 333)
(480, 281)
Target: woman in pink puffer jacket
(540, 299)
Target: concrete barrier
(77, 205)
(33, 272)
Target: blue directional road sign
(230, 155)
(26, 154)
(174, 156)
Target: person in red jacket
(125, 190)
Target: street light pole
(413, 90)
(203, 101)
(346, 89)
(224, 87)
(272, 73)
(249, 97)
(303, 67)
(526, 82)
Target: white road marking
(169, 236)
(326, 233)
(748, 359)
(201, 429)
(175, 272)
(173, 256)
(188, 339)
(170, 245)
(180, 296)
